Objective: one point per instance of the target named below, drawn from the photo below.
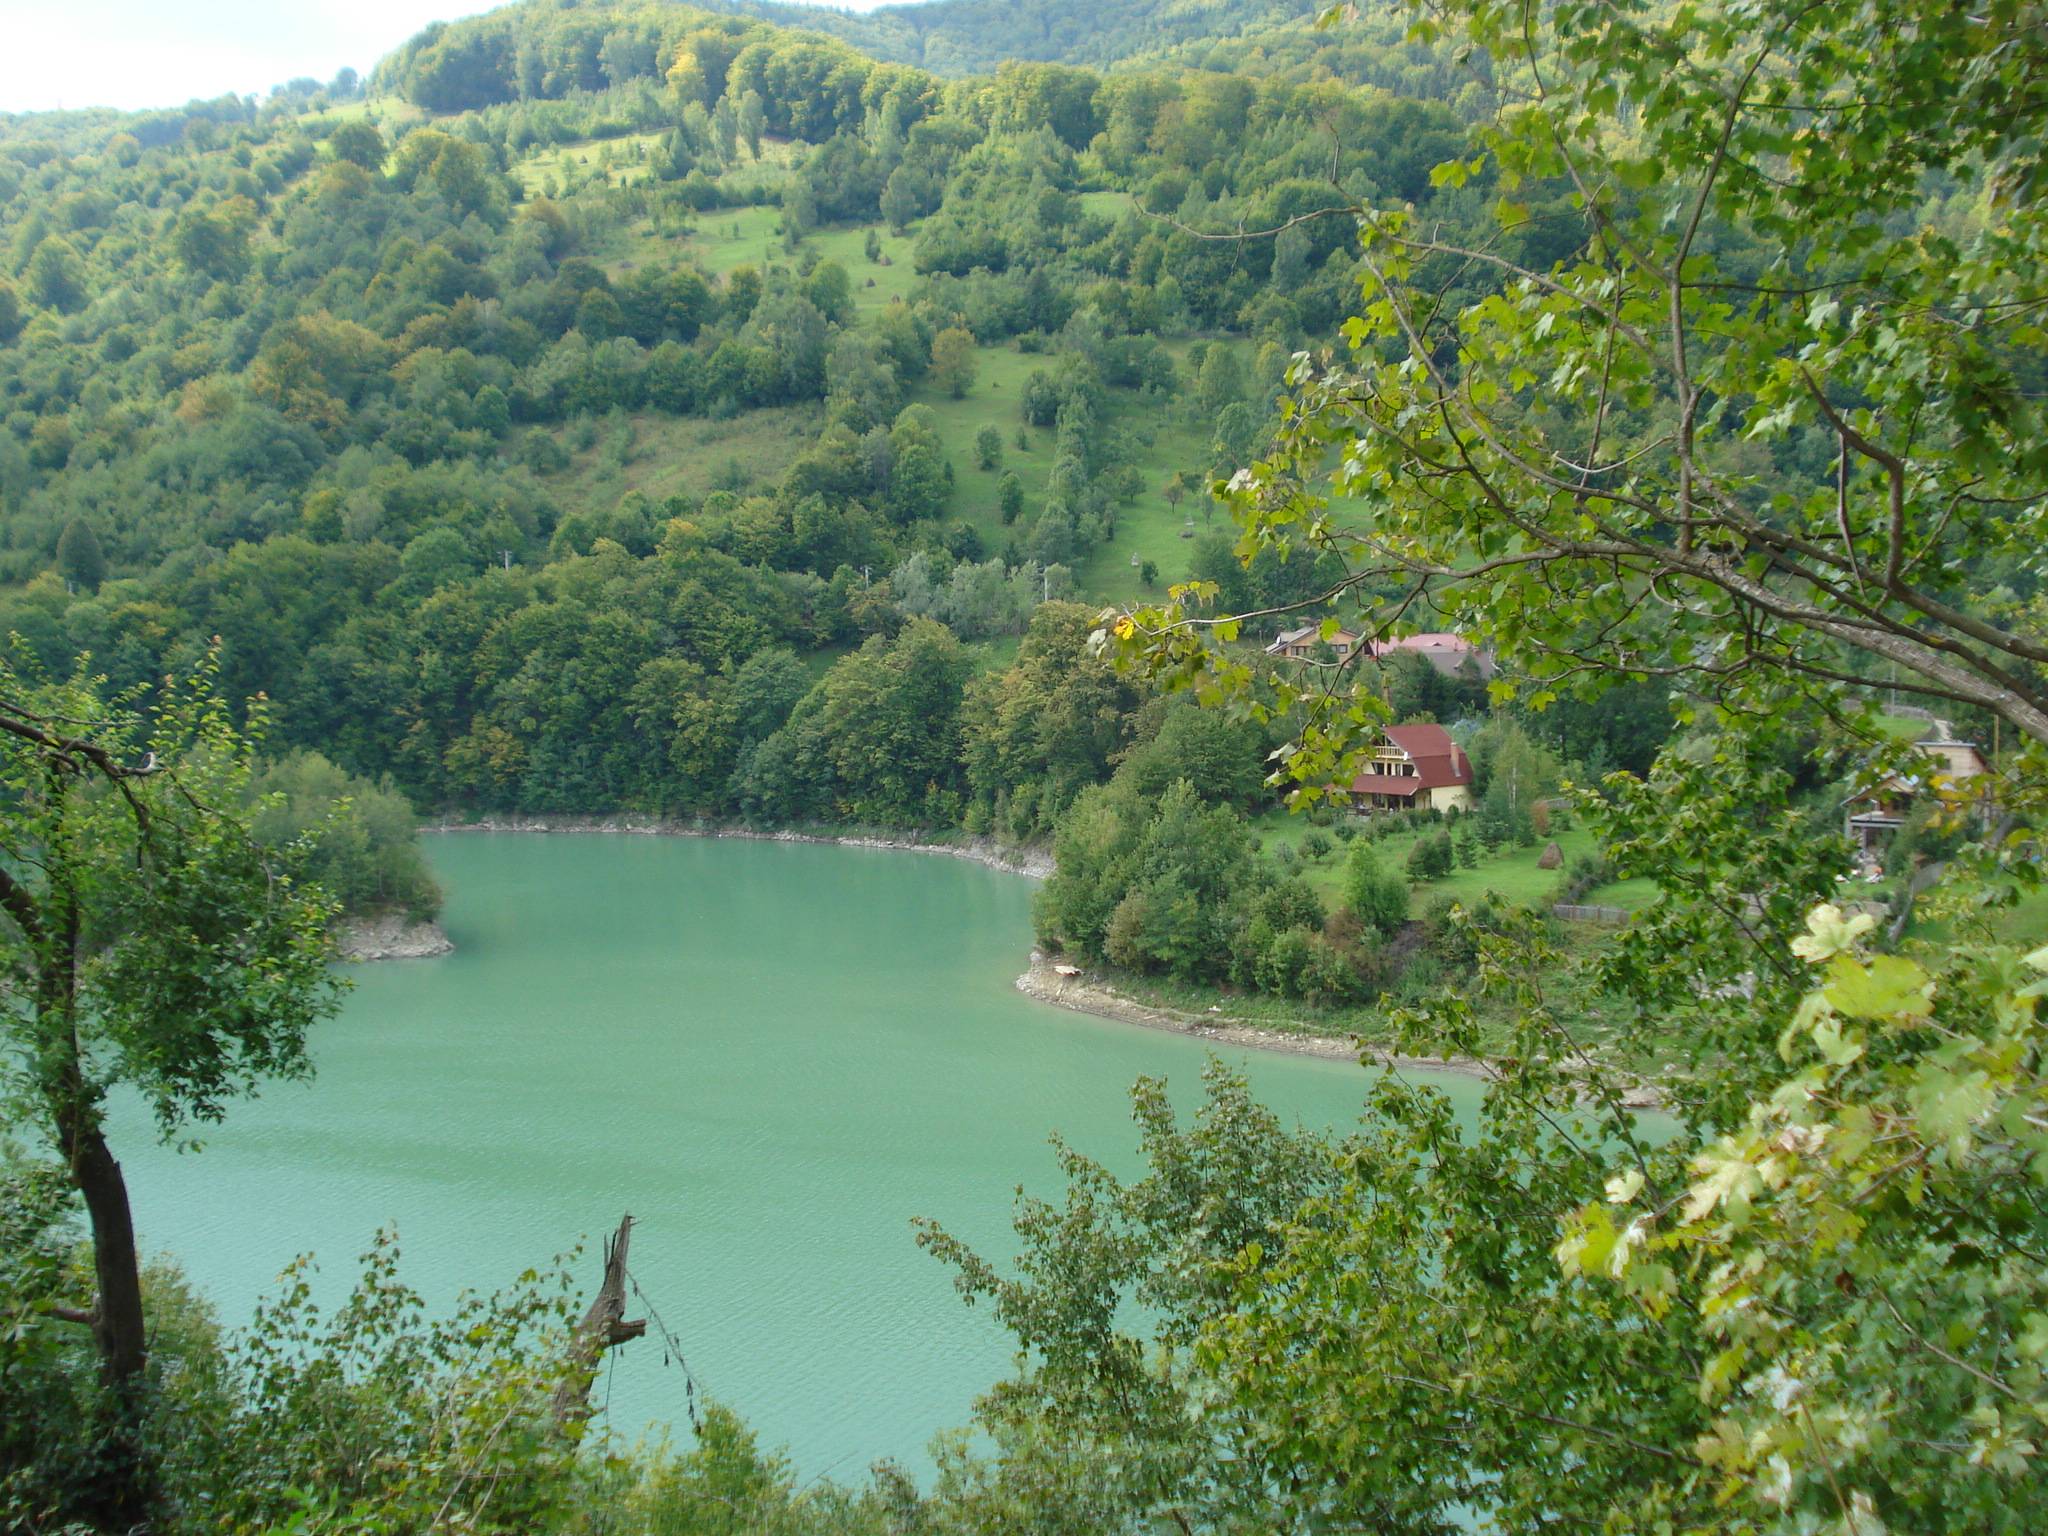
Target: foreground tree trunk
(116, 1313)
(128, 1475)
(119, 1330)
(117, 1322)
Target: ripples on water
(773, 1054)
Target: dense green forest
(922, 420)
(978, 37)
(712, 469)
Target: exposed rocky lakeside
(1034, 863)
(392, 937)
(1082, 994)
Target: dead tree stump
(604, 1326)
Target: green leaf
(1886, 987)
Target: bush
(1376, 897)
(1432, 858)
(1421, 979)
(1316, 846)
(1450, 929)
(1279, 966)
(1334, 975)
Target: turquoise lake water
(774, 1055)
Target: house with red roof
(1452, 655)
(1414, 767)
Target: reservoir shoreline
(1084, 994)
(1032, 863)
(1041, 980)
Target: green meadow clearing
(1510, 872)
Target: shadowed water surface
(774, 1055)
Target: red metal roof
(1439, 760)
(1434, 640)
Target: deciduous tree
(149, 942)
(79, 556)
(953, 361)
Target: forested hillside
(977, 37)
(506, 451)
(959, 37)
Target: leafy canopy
(1743, 392)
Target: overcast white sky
(160, 53)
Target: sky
(161, 53)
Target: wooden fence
(1570, 913)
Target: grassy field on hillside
(894, 277)
(1106, 205)
(1000, 373)
(1149, 528)
(1166, 441)
(585, 158)
(751, 177)
(1169, 441)
(686, 456)
(1509, 873)
(724, 238)
(389, 113)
